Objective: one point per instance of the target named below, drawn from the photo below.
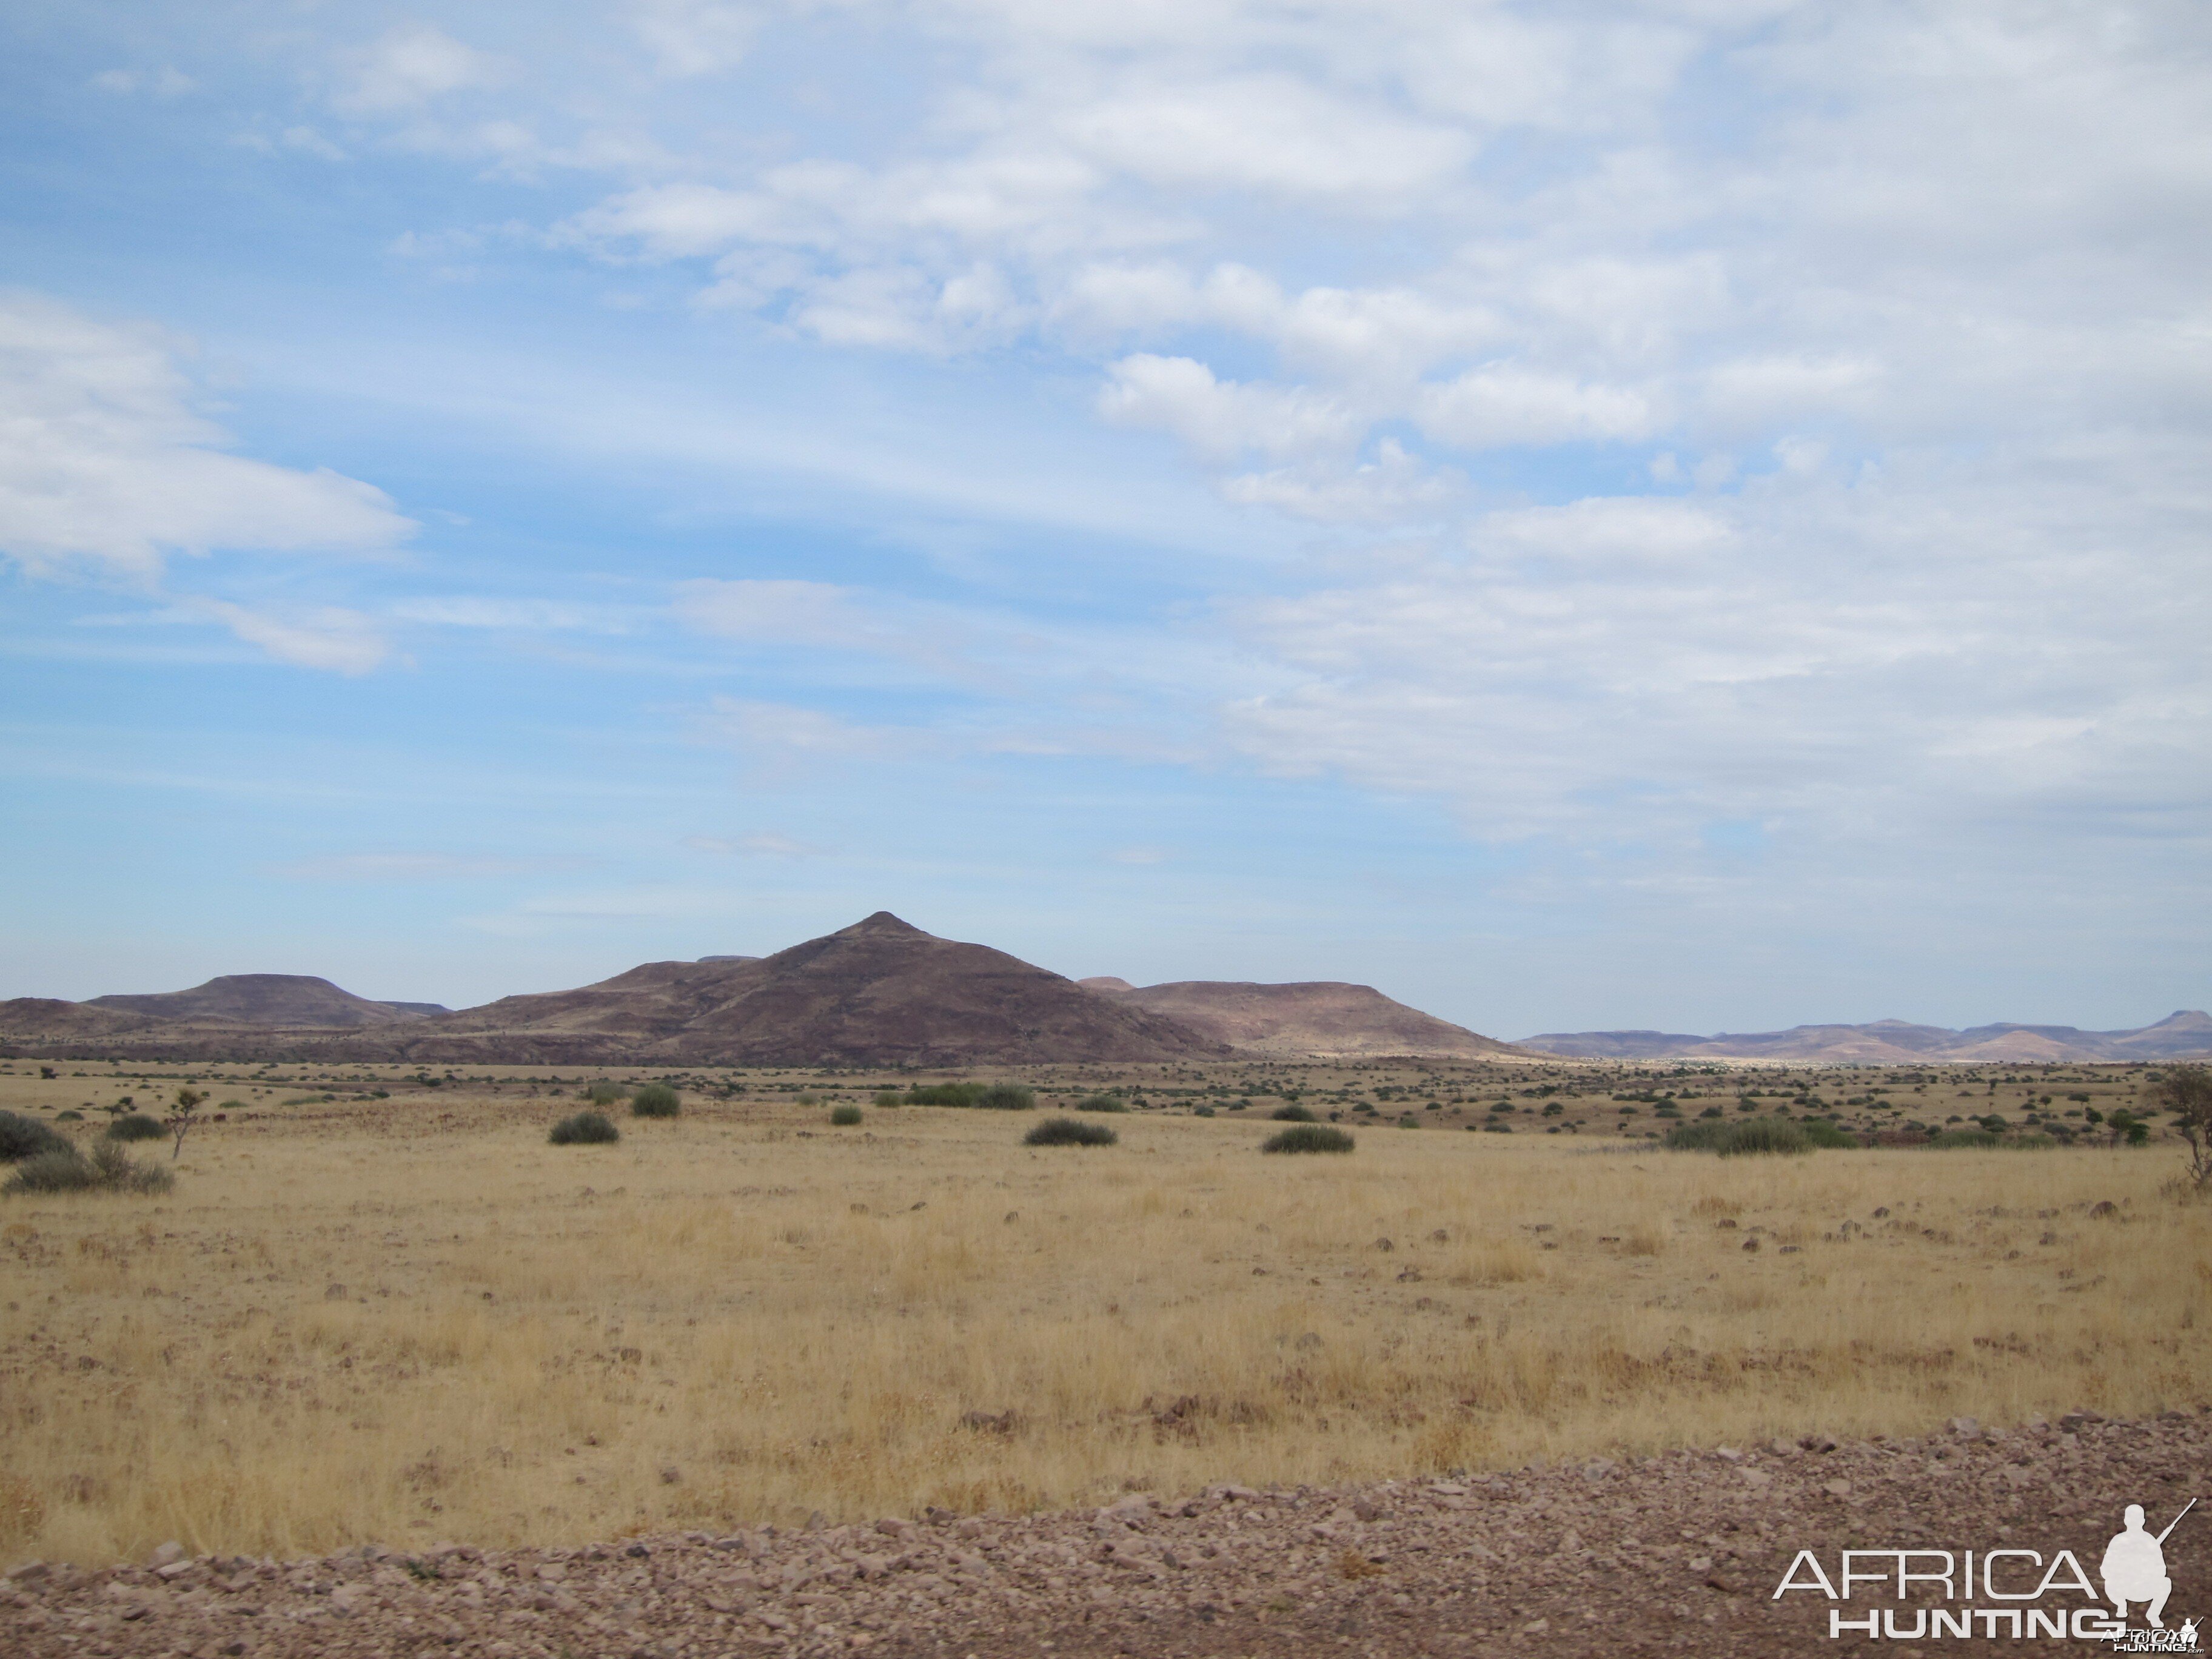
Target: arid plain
(410, 1318)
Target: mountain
(1317, 1019)
(879, 993)
(49, 1019)
(294, 1001)
(2184, 1035)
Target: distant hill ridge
(2184, 1034)
(1313, 1019)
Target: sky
(1690, 514)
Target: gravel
(1679, 1552)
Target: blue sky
(1685, 514)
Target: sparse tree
(181, 1117)
(2186, 1092)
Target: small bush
(24, 1137)
(1007, 1097)
(1201, 1111)
(1292, 1114)
(944, 1094)
(603, 1094)
(109, 1169)
(1102, 1103)
(887, 1098)
(51, 1172)
(584, 1129)
(845, 1116)
(137, 1126)
(72, 1116)
(1308, 1137)
(655, 1100)
(1070, 1132)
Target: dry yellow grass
(743, 1315)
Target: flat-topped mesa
(298, 1001)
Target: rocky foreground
(1679, 1552)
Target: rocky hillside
(1315, 1019)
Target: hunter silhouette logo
(2134, 1568)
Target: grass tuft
(1102, 1103)
(1293, 1114)
(137, 1126)
(845, 1116)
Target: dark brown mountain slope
(1317, 1019)
(879, 993)
(294, 1001)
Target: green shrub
(1201, 1111)
(887, 1098)
(137, 1126)
(109, 1169)
(1822, 1132)
(845, 1116)
(603, 1094)
(72, 1116)
(655, 1100)
(1070, 1132)
(1102, 1103)
(944, 1094)
(1757, 1135)
(24, 1137)
(1308, 1137)
(1292, 1114)
(1007, 1097)
(585, 1128)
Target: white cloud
(329, 637)
(409, 68)
(1221, 419)
(104, 463)
(1488, 407)
(696, 37)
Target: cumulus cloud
(1833, 461)
(106, 465)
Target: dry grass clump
(407, 1323)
